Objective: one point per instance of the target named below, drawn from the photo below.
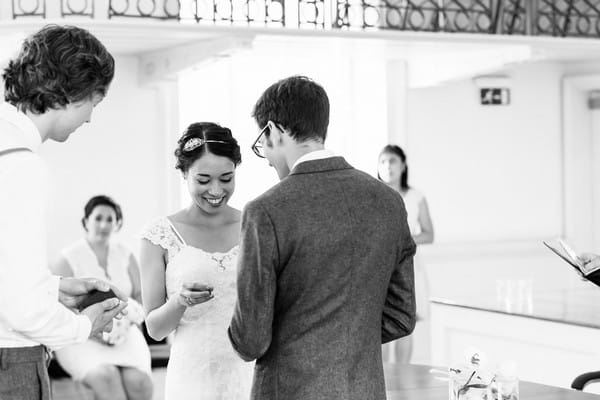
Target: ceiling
(136, 36)
(426, 50)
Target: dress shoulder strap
(161, 233)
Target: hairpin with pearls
(196, 142)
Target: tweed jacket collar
(321, 165)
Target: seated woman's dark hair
(102, 200)
(56, 66)
(206, 137)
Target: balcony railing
(561, 18)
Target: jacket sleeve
(251, 326)
(399, 312)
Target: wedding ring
(188, 300)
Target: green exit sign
(494, 96)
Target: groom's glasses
(257, 147)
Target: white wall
(120, 153)
(490, 173)
(493, 179)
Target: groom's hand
(72, 291)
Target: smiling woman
(189, 271)
(116, 365)
(207, 156)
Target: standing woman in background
(393, 170)
(117, 365)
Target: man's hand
(102, 314)
(72, 291)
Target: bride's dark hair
(205, 137)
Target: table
(578, 306)
(416, 382)
(551, 334)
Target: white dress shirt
(314, 155)
(30, 313)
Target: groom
(326, 262)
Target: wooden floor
(67, 389)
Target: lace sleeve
(160, 233)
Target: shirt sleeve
(250, 331)
(29, 303)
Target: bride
(188, 264)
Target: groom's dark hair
(298, 104)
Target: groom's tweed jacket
(325, 276)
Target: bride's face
(211, 182)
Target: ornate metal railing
(28, 9)
(579, 18)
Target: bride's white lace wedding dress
(203, 364)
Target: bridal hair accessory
(196, 142)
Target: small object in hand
(95, 296)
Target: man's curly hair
(56, 66)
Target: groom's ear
(274, 134)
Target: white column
(369, 111)
(169, 125)
(577, 164)
(397, 88)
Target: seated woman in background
(116, 366)
(393, 170)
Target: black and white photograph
(299, 199)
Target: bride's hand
(192, 294)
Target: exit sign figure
(494, 96)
